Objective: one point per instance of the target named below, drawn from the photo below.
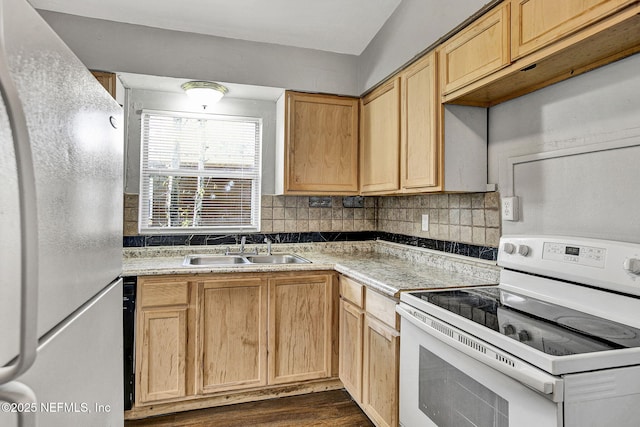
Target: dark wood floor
(330, 408)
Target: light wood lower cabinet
(233, 334)
(380, 372)
(162, 344)
(164, 355)
(369, 351)
(351, 326)
(205, 336)
(299, 328)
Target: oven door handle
(478, 350)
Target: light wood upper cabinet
(320, 144)
(162, 344)
(420, 165)
(537, 23)
(380, 131)
(300, 325)
(107, 80)
(232, 334)
(476, 51)
(552, 41)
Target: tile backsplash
(464, 218)
(292, 214)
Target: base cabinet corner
(370, 352)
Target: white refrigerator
(60, 233)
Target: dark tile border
(481, 252)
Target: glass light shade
(204, 93)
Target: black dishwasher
(128, 322)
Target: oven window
(451, 398)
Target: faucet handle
(268, 242)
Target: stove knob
(632, 265)
(509, 248)
(523, 250)
(523, 336)
(509, 329)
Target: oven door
(445, 385)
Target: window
(199, 173)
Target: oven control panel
(605, 264)
(585, 255)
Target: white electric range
(556, 343)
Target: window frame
(224, 172)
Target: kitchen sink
(240, 260)
(277, 259)
(206, 260)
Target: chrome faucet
(268, 242)
(243, 242)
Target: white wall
(118, 47)
(138, 100)
(414, 26)
(593, 194)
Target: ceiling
(341, 26)
(171, 84)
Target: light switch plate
(510, 208)
(425, 222)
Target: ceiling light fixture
(204, 93)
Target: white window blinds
(199, 173)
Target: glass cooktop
(550, 328)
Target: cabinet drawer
(381, 307)
(352, 291)
(161, 292)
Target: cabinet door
(321, 153)
(420, 161)
(232, 336)
(351, 324)
(537, 23)
(477, 51)
(380, 130)
(163, 356)
(299, 328)
(380, 372)
(162, 345)
(107, 80)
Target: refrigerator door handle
(21, 400)
(28, 223)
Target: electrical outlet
(425, 222)
(510, 208)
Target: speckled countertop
(386, 267)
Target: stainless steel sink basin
(277, 259)
(205, 260)
(240, 260)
